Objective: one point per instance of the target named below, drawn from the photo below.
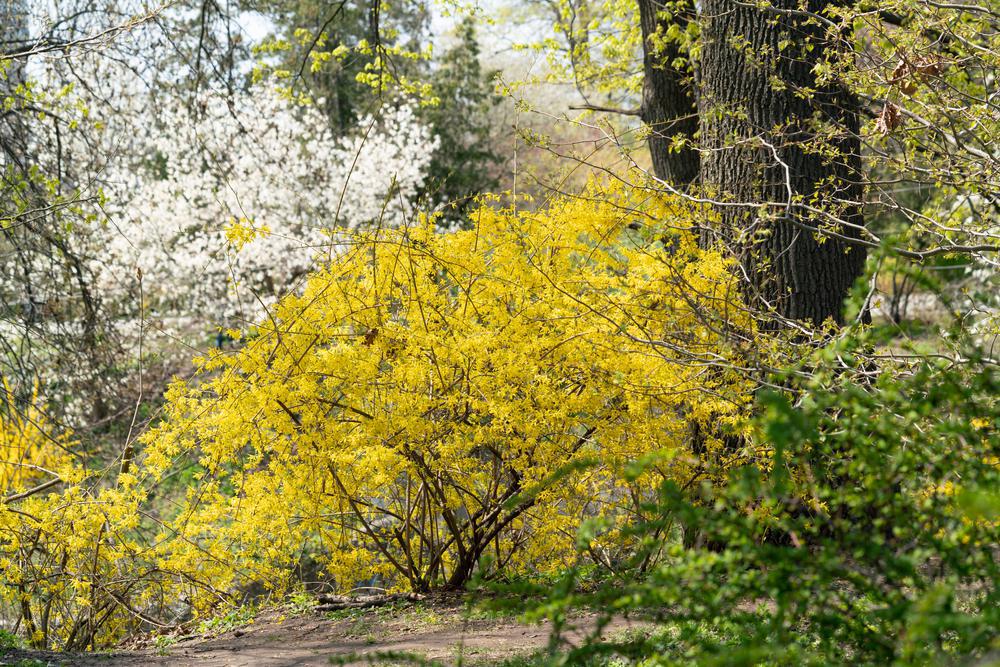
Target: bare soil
(440, 631)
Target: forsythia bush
(415, 415)
(429, 408)
(30, 453)
(64, 568)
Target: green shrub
(869, 537)
(9, 641)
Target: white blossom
(263, 162)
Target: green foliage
(162, 643)
(299, 603)
(234, 618)
(9, 641)
(869, 538)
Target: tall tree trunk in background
(768, 144)
(668, 101)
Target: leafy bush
(869, 536)
(9, 641)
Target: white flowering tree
(228, 202)
(107, 165)
(220, 203)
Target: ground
(442, 631)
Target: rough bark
(777, 150)
(668, 101)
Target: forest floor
(442, 631)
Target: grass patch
(231, 620)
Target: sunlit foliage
(867, 537)
(428, 408)
(407, 409)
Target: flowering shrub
(408, 411)
(30, 455)
(46, 536)
(430, 406)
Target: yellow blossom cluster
(30, 454)
(65, 564)
(429, 408)
(434, 406)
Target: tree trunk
(771, 149)
(668, 102)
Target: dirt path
(441, 632)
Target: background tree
(306, 35)
(784, 155)
(669, 96)
(249, 193)
(327, 51)
(465, 162)
(781, 151)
